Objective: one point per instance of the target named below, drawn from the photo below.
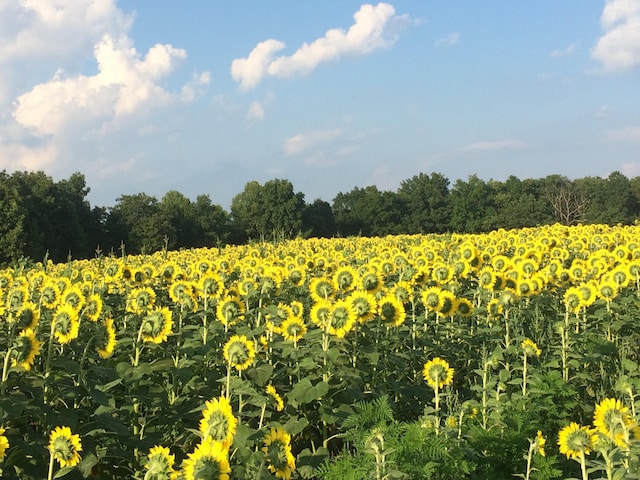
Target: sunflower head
(239, 352)
(530, 348)
(209, 460)
(157, 325)
(612, 419)
(575, 441)
(277, 448)
(160, 464)
(65, 446)
(218, 422)
(27, 348)
(438, 373)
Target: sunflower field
(508, 354)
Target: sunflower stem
(5, 370)
(50, 474)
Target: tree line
(41, 218)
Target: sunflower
(588, 293)
(208, 461)
(391, 310)
(297, 308)
(239, 352)
(438, 373)
(341, 318)
(229, 310)
(27, 316)
(160, 464)
(530, 348)
(93, 307)
(539, 443)
(64, 446)
(141, 300)
(403, 292)
(16, 297)
(320, 313)
(184, 293)
(611, 418)
(272, 392)
(364, 304)
(487, 278)
(107, 339)
(277, 448)
(293, 329)
(218, 422)
(320, 289)
(448, 304)
(607, 290)
(431, 298)
(65, 323)
(572, 299)
(282, 312)
(210, 286)
(4, 444)
(575, 441)
(370, 282)
(27, 348)
(465, 307)
(344, 279)
(74, 297)
(157, 325)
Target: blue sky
(204, 96)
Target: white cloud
(304, 141)
(492, 146)
(375, 27)
(448, 40)
(629, 135)
(20, 157)
(124, 84)
(256, 112)
(565, 52)
(619, 47)
(631, 169)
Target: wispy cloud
(628, 135)
(304, 141)
(619, 47)
(565, 52)
(374, 27)
(492, 146)
(256, 112)
(448, 40)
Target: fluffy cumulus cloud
(374, 27)
(619, 46)
(48, 53)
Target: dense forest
(41, 218)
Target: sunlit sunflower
(431, 298)
(403, 292)
(465, 307)
(74, 297)
(341, 319)
(293, 329)
(106, 340)
(391, 310)
(539, 444)
(320, 312)
(65, 323)
(448, 304)
(297, 308)
(184, 293)
(320, 289)
(17, 295)
(218, 422)
(93, 307)
(210, 286)
(27, 348)
(27, 316)
(159, 465)
(530, 348)
(239, 352)
(588, 293)
(272, 392)
(607, 290)
(437, 373)
(209, 461)
(141, 300)
(575, 441)
(230, 309)
(280, 314)
(277, 448)
(157, 325)
(344, 279)
(612, 419)
(370, 282)
(442, 274)
(364, 304)
(64, 446)
(487, 278)
(572, 299)
(4, 444)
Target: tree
(272, 209)
(318, 220)
(472, 206)
(569, 205)
(213, 221)
(136, 222)
(369, 212)
(427, 203)
(12, 216)
(179, 214)
(520, 203)
(611, 199)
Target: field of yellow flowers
(451, 356)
